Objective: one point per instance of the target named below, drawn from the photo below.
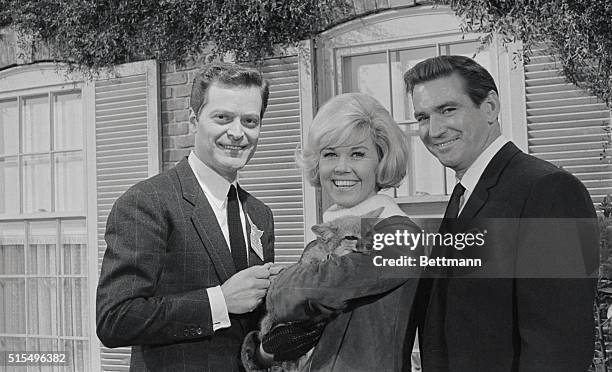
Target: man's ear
(193, 121)
(491, 107)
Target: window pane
(74, 246)
(36, 184)
(35, 124)
(13, 344)
(68, 121)
(402, 61)
(428, 172)
(78, 355)
(42, 306)
(74, 307)
(12, 242)
(44, 344)
(42, 256)
(426, 175)
(367, 74)
(12, 306)
(69, 182)
(9, 128)
(9, 185)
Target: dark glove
(289, 341)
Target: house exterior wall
(267, 167)
(175, 88)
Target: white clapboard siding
(566, 125)
(272, 174)
(127, 151)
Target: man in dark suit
(529, 308)
(183, 274)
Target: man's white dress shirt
(215, 189)
(474, 172)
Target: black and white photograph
(306, 185)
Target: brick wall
(175, 88)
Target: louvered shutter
(127, 151)
(566, 125)
(272, 174)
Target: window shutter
(127, 151)
(566, 125)
(272, 174)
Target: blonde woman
(353, 150)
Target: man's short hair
(228, 75)
(477, 81)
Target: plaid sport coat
(164, 248)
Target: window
(43, 234)
(68, 149)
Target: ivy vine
(94, 34)
(578, 32)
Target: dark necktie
(452, 210)
(236, 235)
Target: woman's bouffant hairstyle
(348, 119)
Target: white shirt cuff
(218, 308)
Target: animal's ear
(373, 214)
(324, 231)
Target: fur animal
(334, 238)
(337, 238)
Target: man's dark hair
(226, 74)
(477, 81)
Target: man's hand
(245, 290)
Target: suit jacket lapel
(489, 178)
(205, 223)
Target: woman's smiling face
(348, 172)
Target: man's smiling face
(452, 127)
(227, 128)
